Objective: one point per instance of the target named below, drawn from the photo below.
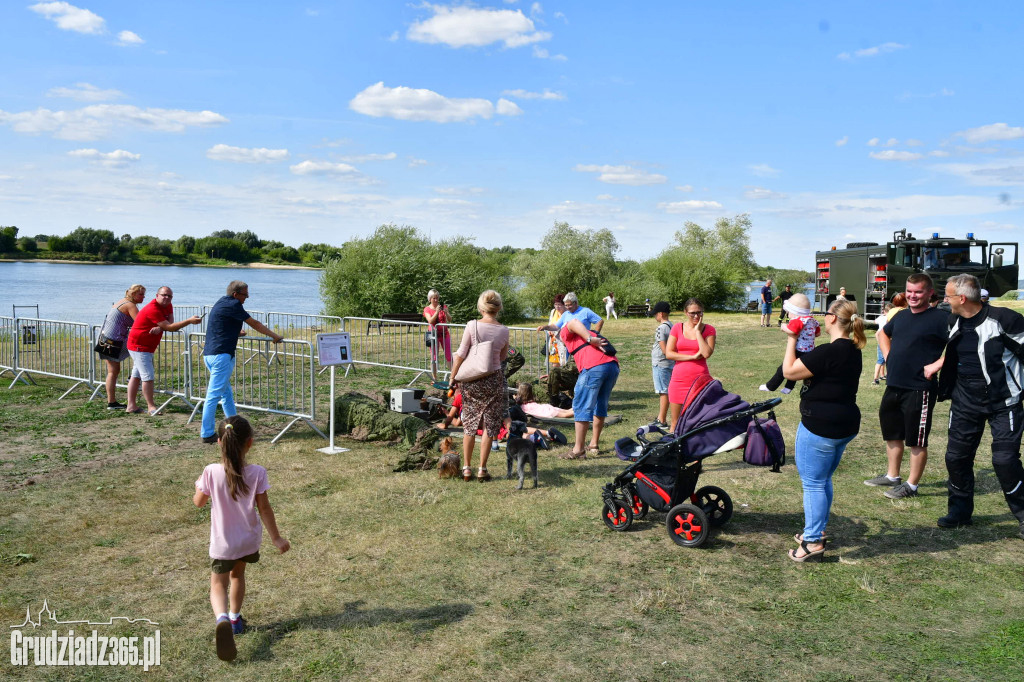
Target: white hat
(984, 294)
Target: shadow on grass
(353, 616)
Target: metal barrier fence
(7, 336)
(170, 364)
(52, 348)
(389, 343)
(268, 377)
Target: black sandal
(808, 553)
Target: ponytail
(850, 321)
(234, 434)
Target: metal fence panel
(268, 377)
(392, 343)
(7, 338)
(53, 348)
(170, 363)
(530, 343)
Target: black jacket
(1001, 350)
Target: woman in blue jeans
(829, 418)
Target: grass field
(405, 576)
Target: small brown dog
(448, 466)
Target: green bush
(28, 245)
(392, 271)
(570, 259)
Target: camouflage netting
(367, 418)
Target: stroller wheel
(716, 503)
(687, 525)
(617, 515)
(638, 506)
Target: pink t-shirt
(235, 528)
(687, 369)
(497, 334)
(540, 410)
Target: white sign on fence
(334, 349)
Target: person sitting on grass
(528, 403)
(238, 494)
(454, 418)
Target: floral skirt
(484, 400)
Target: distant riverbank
(268, 266)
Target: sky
(319, 121)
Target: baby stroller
(663, 473)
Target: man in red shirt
(152, 321)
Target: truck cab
(872, 273)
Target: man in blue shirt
(574, 311)
(222, 332)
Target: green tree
(709, 264)
(392, 271)
(8, 239)
(570, 259)
(249, 238)
(220, 247)
(184, 245)
(631, 283)
(28, 245)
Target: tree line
(392, 270)
(221, 246)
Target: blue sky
(826, 122)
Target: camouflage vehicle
(872, 273)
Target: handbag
(765, 444)
(477, 364)
(109, 348)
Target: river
(83, 292)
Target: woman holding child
(690, 344)
(484, 398)
(829, 418)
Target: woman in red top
(436, 314)
(598, 374)
(690, 344)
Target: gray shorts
(142, 365)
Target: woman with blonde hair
(438, 317)
(484, 401)
(115, 329)
(829, 417)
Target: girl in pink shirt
(234, 489)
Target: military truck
(872, 273)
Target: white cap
(984, 293)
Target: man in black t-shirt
(912, 339)
(783, 297)
(983, 372)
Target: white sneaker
(763, 387)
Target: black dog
(522, 450)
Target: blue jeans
(593, 389)
(218, 390)
(816, 461)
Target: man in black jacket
(983, 374)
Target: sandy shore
(264, 266)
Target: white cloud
(115, 159)
(536, 10)
(764, 170)
(475, 27)
(362, 158)
(991, 133)
(129, 38)
(310, 12)
(905, 208)
(622, 175)
(581, 208)
(323, 168)
(507, 108)
(459, 191)
(96, 121)
(684, 188)
(938, 152)
(605, 197)
(540, 53)
(86, 92)
(689, 206)
(70, 18)
(416, 163)
(911, 142)
(873, 142)
(411, 104)
(756, 193)
(526, 94)
(223, 152)
(893, 155)
(884, 48)
(842, 140)
(991, 174)
(892, 142)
